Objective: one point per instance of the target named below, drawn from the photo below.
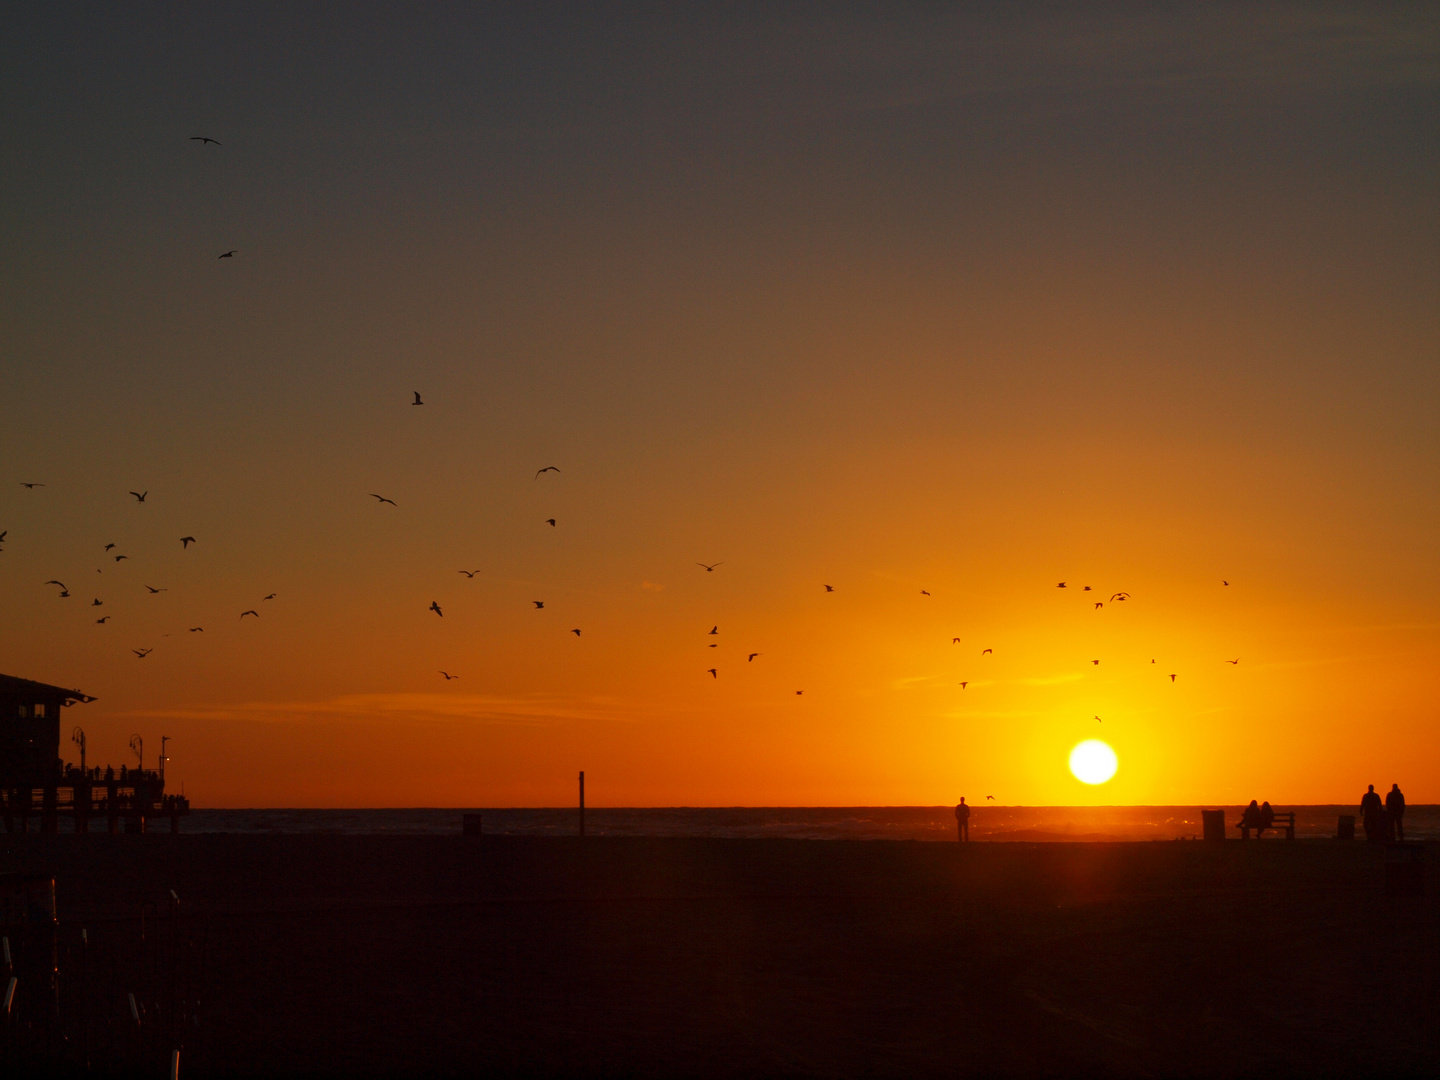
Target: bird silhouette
(203, 139)
(550, 522)
(713, 673)
(252, 611)
(710, 567)
(142, 653)
(64, 593)
(109, 546)
(547, 468)
(140, 495)
(435, 607)
(1101, 721)
(383, 499)
(712, 646)
(1099, 604)
(97, 603)
(575, 632)
(229, 254)
(1095, 662)
(270, 597)
(1062, 585)
(154, 590)
(1119, 596)
(1224, 583)
(829, 588)
(417, 400)
(103, 619)
(119, 557)
(538, 604)
(984, 651)
(469, 573)
(990, 797)
(954, 641)
(448, 676)
(186, 541)
(751, 657)
(924, 593)
(799, 692)
(964, 684)
(197, 629)
(1172, 678)
(1235, 661)
(31, 486)
(52, 581)
(715, 629)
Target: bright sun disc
(1093, 762)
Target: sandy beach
(406, 956)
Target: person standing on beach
(962, 821)
(1372, 813)
(1395, 808)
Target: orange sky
(970, 308)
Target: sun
(1093, 762)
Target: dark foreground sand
(610, 957)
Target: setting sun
(1093, 762)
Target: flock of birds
(141, 497)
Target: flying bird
(197, 629)
(97, 603)
(417, 400)
(829, 588)
(984, 651)
(186, 541)
(1086, 589)
(547, 468)
(799, 692)
(203, 139)
(469, 573)
(154, 590)
(103, 619)
(1061, 585)
(1101, 721)
(119, 557)
(715, 629)
(713, 673)
(109, 546)
(990, 797)
(550, 522)
(1095, 662)
(1119, 596)
(32, 487)
(1172, 678)
(1224, 583)
(709, 567)
(64, 593)
(575, 632)
(1235, 661)
(538, 604)
(954, 641)
(252, 611)
(448, 676)
(435, 607)
(270, 597)
(142, 653)
(751, 657)
(52, 581)
(964, 684)
(924, 593)
(712, 646)
(383, 499)
(229, 254)
(139, 495)
(1099, 604)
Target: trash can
(1214, 824)
(470, 825)
(1404, 870)
(1347, 827)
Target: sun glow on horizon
(1093, 762)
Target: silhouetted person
(1265, 819)
(1395, 810)
(962, 821)
(1250, 817)
(1373, 813)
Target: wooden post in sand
(582, 802)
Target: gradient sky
(969, 299)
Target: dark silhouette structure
(30, 765)
(1395, 811)
(962, 821)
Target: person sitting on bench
(1250, 817)
(1264, 819)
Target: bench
(1283, 820)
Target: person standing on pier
(1395, 809)
(962, 821)
(1372, 813)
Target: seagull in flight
(154, 590)
(924, 593)
(31, 487)
(1095, 662)
(713, 673)
(383, 499)
(1172, 678)
(103, 619)
(97, 603)
(109, 546)
(119, 557)
(1101, 721)
(799, 692)
(1099, 604)
(270, 597)
(469, 573)
(252, 611)
(203, 139)
(142, 653)
(575, 632)
(197, 629)
(1119, 596)
(52, 581)
(550, 522)
(715, 629)
(984, 651)
(448, 676)
(1062, 585)
(990, 797)
(547, 468)
(709, 567)
(435, 607)
(964, 684)
(140, 495)
(538, 604)
(954, 641)
(229, 254)
(751, 657)
(1224, 583)
(417, 400)
(829, 588)
(1086, 589)
(1235, 661)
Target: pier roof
(10, 686)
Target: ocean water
(987, 822)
